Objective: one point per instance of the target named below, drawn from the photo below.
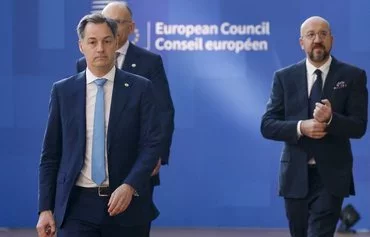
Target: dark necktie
(316, 91)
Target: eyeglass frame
(321, 34)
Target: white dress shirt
(85, 180)
(311, 78)
(311, 75)
(122, 54)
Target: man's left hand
(120, 199)
(157, 167)
(323, 111)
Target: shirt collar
(324, 68)
(123, 49)
(90, 77)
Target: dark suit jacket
(133, 144)
(345, 88)
(149, 65)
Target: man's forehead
(94, 30)
(315, 23)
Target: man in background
(316, 106)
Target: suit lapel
(131, 60)
(301, 98)
(331, 79)
(120, 96)
(300, 77)
(77, 104)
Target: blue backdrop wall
(222, 172)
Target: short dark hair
(96, 18)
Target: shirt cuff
(331, 117)
(299, 133)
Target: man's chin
(101, 64)
(318, 58)
(102, 67)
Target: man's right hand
(46, 225)
(313, 129)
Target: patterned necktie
(316, 91)
(98, 144)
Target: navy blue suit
(345, 88)
(133, 145)
(149, 65)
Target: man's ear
(301, 43)
(80, 47)
(132, 27)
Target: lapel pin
(126, 84)
(133, 65)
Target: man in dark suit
(101, 145)
(134, 59)
(315, 107)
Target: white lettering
(236, 45)
(179, 45)
(186, 30)
(261, 29)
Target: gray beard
(318, 58)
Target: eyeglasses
(119, 21)
(312, 35)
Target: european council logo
(98, 5)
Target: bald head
(316, 40)
(120, 12)
(120, 8)
(314, 20)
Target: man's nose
(317, 38)
(100, 47)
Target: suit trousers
(148, 227)
(87, 216)
(317, 214)
(154, 181)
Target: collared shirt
(123, 51)
(85, 179)
(311, 78)
(311, 75)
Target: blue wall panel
(221, 172)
